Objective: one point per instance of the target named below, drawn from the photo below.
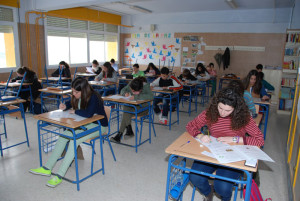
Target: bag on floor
(255, 193)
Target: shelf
(294, 71)
(289, 44)
(291, 56)
(287, 112)
(288, 86)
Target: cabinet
(289, 71)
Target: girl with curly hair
(254, 86)
(228, 119)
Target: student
(239, 87)
(107, 74)
(95, 67)
(152, 70)
(213, 74)
(264, 83)
(136, 71)
(85, 102)
(201, 72)
(228, 119)
(186, 76)
(166, 82)
(114, 65)
(30, 78)
(259, 67)
(137, 89)
(254, 86)
(65, 70)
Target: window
(9, 52)
(80, 42)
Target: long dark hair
(238, 86)
(257, 85)
(152, 66)
(82, 85)
(65, 64)
(202, 71)
(29, 73)
(110, 70)
(138, 83)
(228, 96)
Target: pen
(185, 143)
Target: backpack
(255, 193)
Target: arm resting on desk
(194, 126)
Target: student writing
(136, 71)
(85, 102)
(64, 68)
(254, 86)
(152, 70)
(108, 73)
(201, 72)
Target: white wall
(239, 21)
(296, 16)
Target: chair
(5, 96)
(192, 95)
(105, 136)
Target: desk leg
(177, 109)
(136, 131)
(23, 116)
(39, 141)
(149, 113)
(266, 121)
(168, 178)
(76, 161)
(248, 186)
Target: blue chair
(15, 94)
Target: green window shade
(96, 26)
(111, 28)
(111, 38)
(96, 37)
(6, 14)
(78, 24)
(77, 35)
(6, 29)
(52, 32)
(57, 22)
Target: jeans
(166, 100)
(222, 187)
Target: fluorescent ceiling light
(143, 10)
(231, 3)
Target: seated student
(239, 87)
(186, 76)
(228, 119)
(136, 71)
(259, 67)
(166, 82)
(95, 67)
(254, 86)
(137, 89)
(264, 83)
(152, 70)
(114, 65)
(65, 70)
(213, 74)
(107, 74)
(30, 78)
(85, 102)
(201, 72)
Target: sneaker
(41, 171)
(163, 121)
(54, 182)
(158, 115)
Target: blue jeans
(222, 187)
(166, 106)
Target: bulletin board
(159, 48)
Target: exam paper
(253, 152)
(157, 88)
(89, 70)
(65, 114)
(121, 97)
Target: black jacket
(226, 58)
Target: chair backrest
(7, 82)
(75, 73)
(108, 115)
(9, 98)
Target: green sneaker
(54, 182)
(41, 171)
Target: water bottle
(181, 181)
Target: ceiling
(122, 7)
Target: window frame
(88, 32)
(14, 25)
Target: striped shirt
(249, 102)
(222, 128)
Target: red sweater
(222, 128)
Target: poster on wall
(162, 49)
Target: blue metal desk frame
(3, 111)
(41, 124)
(171, 164)
(136, 112)
(58, 98)
(193, 93)
(265, 110)
(105, 88)
(171, 96)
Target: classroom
(168, 99)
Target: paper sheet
(157, 88)
(89, 69)
(253, 152)
(117, 97)
(65, 114)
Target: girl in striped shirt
(228, 119)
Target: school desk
(45, 120)
(186, 147)
(53, 81)
(169, 95)
(8, 107)
(123, 81)
(265, 105)
(51, 94)
(191, 94)
(27, 87)
(226, 80)
(85, 74)
(139, 106)
(104, 87)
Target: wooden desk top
(193, 150)
(6, 103)
(57, 92)
(55, 78)
(15, 84)
(166, 91)
(70, 123)
(260, 101)
(86, 74)
(107, 98)
(103, 84)
(258, 119)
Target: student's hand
(165, 87)
(226, 140)
(265, 97)
(96, 79)
(126, 94)
(151, 87)
(93, 70)
(62, 106)
(204, 138)
(131, 98)
(72, 111)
